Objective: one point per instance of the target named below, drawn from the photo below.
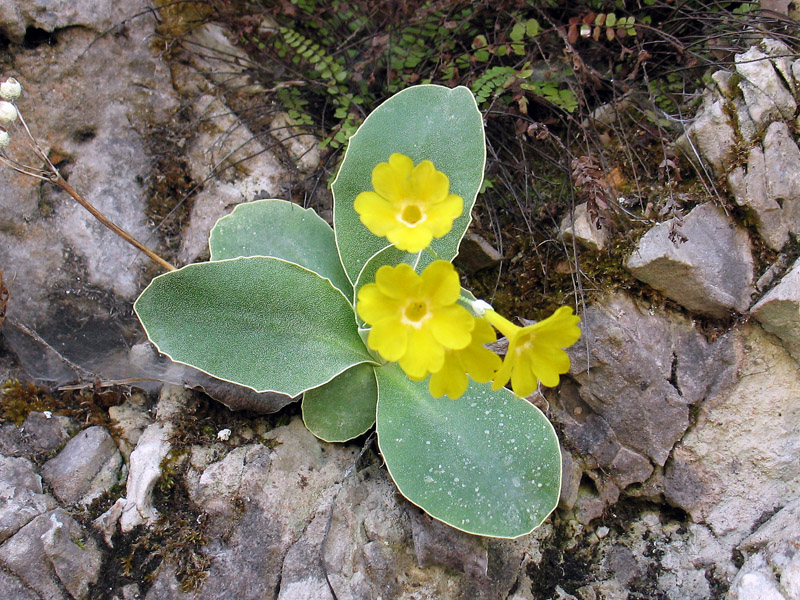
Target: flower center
(525, 344)
(415, 312)
(411, 215)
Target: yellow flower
(475, 360)
(535, 353)
(410, 205)
(414, 318)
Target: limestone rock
(91, 104)
(475, 253)
(739, 460)
(46, 557)
(782, 174)
(76, 564)
(16, 16)
(12, 587)
(641, 374)
(710, 139)
(21, 496)
(145, 462)
(765, 94)
(779, 311)
(579, 226)
(710, 273)
(130, 420)
(86, 468)
(47, 432)
(772, 565)
(749, 189)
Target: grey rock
(130, 420)
(475, 253)
(757, 583)
(302, 574)
(749, 189)
(782, 174)
(782, 527)
(710, 139)
(146, 460)
(47, 432)
(438, 544)
(91, 104)
(772, 565)
(13, 589)
(710, 273)
(722, 472)
(21, 497)
(571, 473)
(86, 468)
(275, 491)
(212, 203)
(642, 372)
(17, 16)
(779, 311)
(579, 226)
(302, 147)
(40, 555)
(74, 555)
(765, 94)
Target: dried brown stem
(61, 182)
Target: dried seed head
(4, 138)
(10, 89)
(8, 112)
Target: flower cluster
(10, 89)
(417, 320)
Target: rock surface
(778, 311)
(680, 444)
(739, 461)
(708, 270)
(86, 468)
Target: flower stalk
(10, 114)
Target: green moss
(18, 399)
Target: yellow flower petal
(392, 179)
(523, 381)
(389, 338)
(409, 239)
(398, 282)
(452, 326)
(415, 318)
(440, 281)
(423, 354)
(373, 305)
(375, 213)
(450, 380)
(535, 353)
(442, 214)
(415, 205)
(425, 179)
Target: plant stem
(61, 182)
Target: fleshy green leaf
(260, 322)
(487, 463)
(343, 408)
(283, 230)
(424, 122)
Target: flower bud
(8, 112)
(479, 307)
(10, 89)
(4, 138)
